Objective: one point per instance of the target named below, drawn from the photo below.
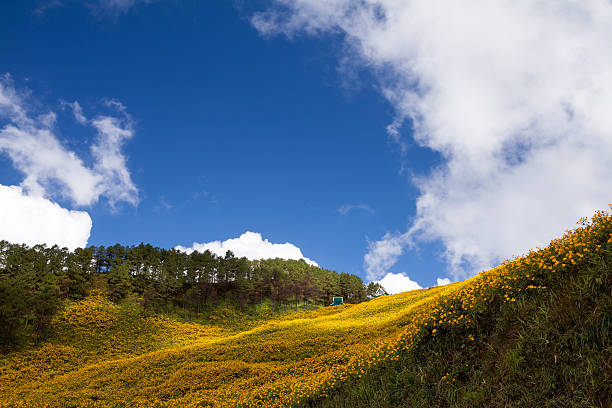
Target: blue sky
(273, 117)
(234, 131)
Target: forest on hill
(35, 280)
(533, 332)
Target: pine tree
(119, 282)
(13, 309)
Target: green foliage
(29, 290)
(13, 309)
(34, 280)
(44, 305)
(373, 290)
(119, 282)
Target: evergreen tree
(44, 305)
(13, 309)
(119, 282)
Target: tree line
(34, 281)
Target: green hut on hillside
(337, 301)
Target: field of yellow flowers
(105, 356)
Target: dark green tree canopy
(33, 281)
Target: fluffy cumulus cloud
(515, 96)
(250, 245)
(35, 220)
(397, 283)
(442, 281)
(52, 171)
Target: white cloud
(397, 283)
(383, 254)
(442, 281)
(114, 7)
(250, 245)
(50, 169)
(43, 160)
(515, 96)
(77, 111)
(35, 220)
(347, 208)
(50, 4)
(121, 5)
(110, 162)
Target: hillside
(204, 287)
(547, 343)
(534, 331)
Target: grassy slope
(549, 350)
(550, 347)
(533, 332)
(109, 356)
